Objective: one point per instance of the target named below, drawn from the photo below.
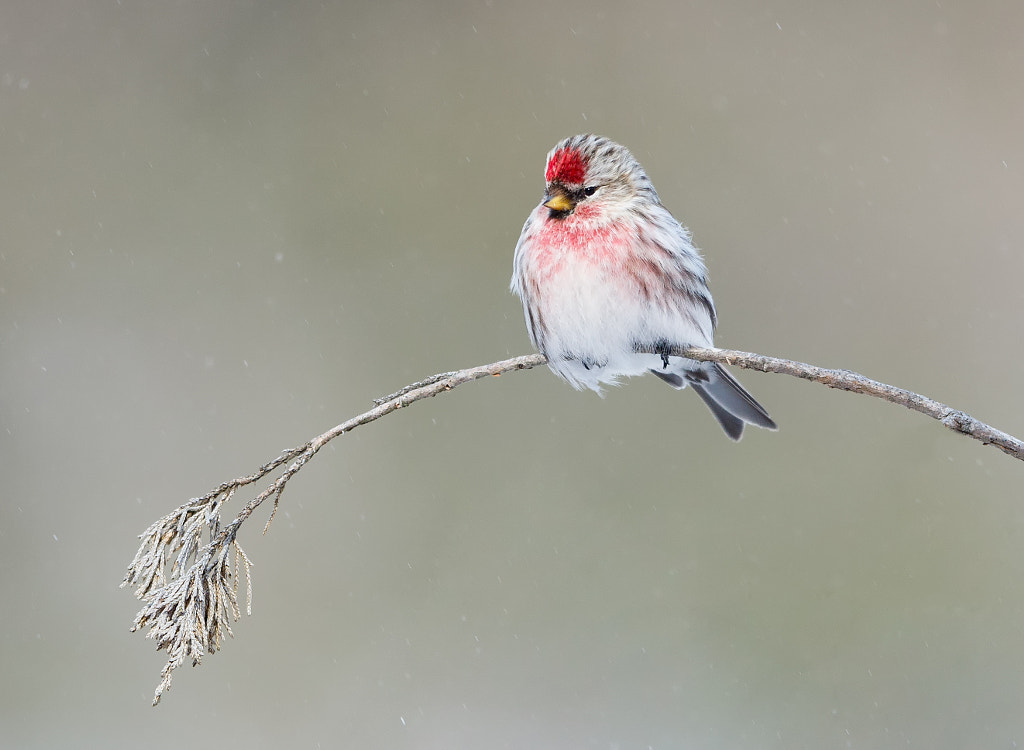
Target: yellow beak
(559, 202)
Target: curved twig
(846, 380)
(189, 609)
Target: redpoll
(604, 270)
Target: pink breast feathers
(568, 166)
(574, 239)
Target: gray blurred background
(228, 226)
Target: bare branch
(189, 610)
(845, 380)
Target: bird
(611, 282)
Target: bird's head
(594, 175)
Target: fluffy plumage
(602, 268)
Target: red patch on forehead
(566, 166)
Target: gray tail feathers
(728, 401)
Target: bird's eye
(589, 191)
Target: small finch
(604, 270)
